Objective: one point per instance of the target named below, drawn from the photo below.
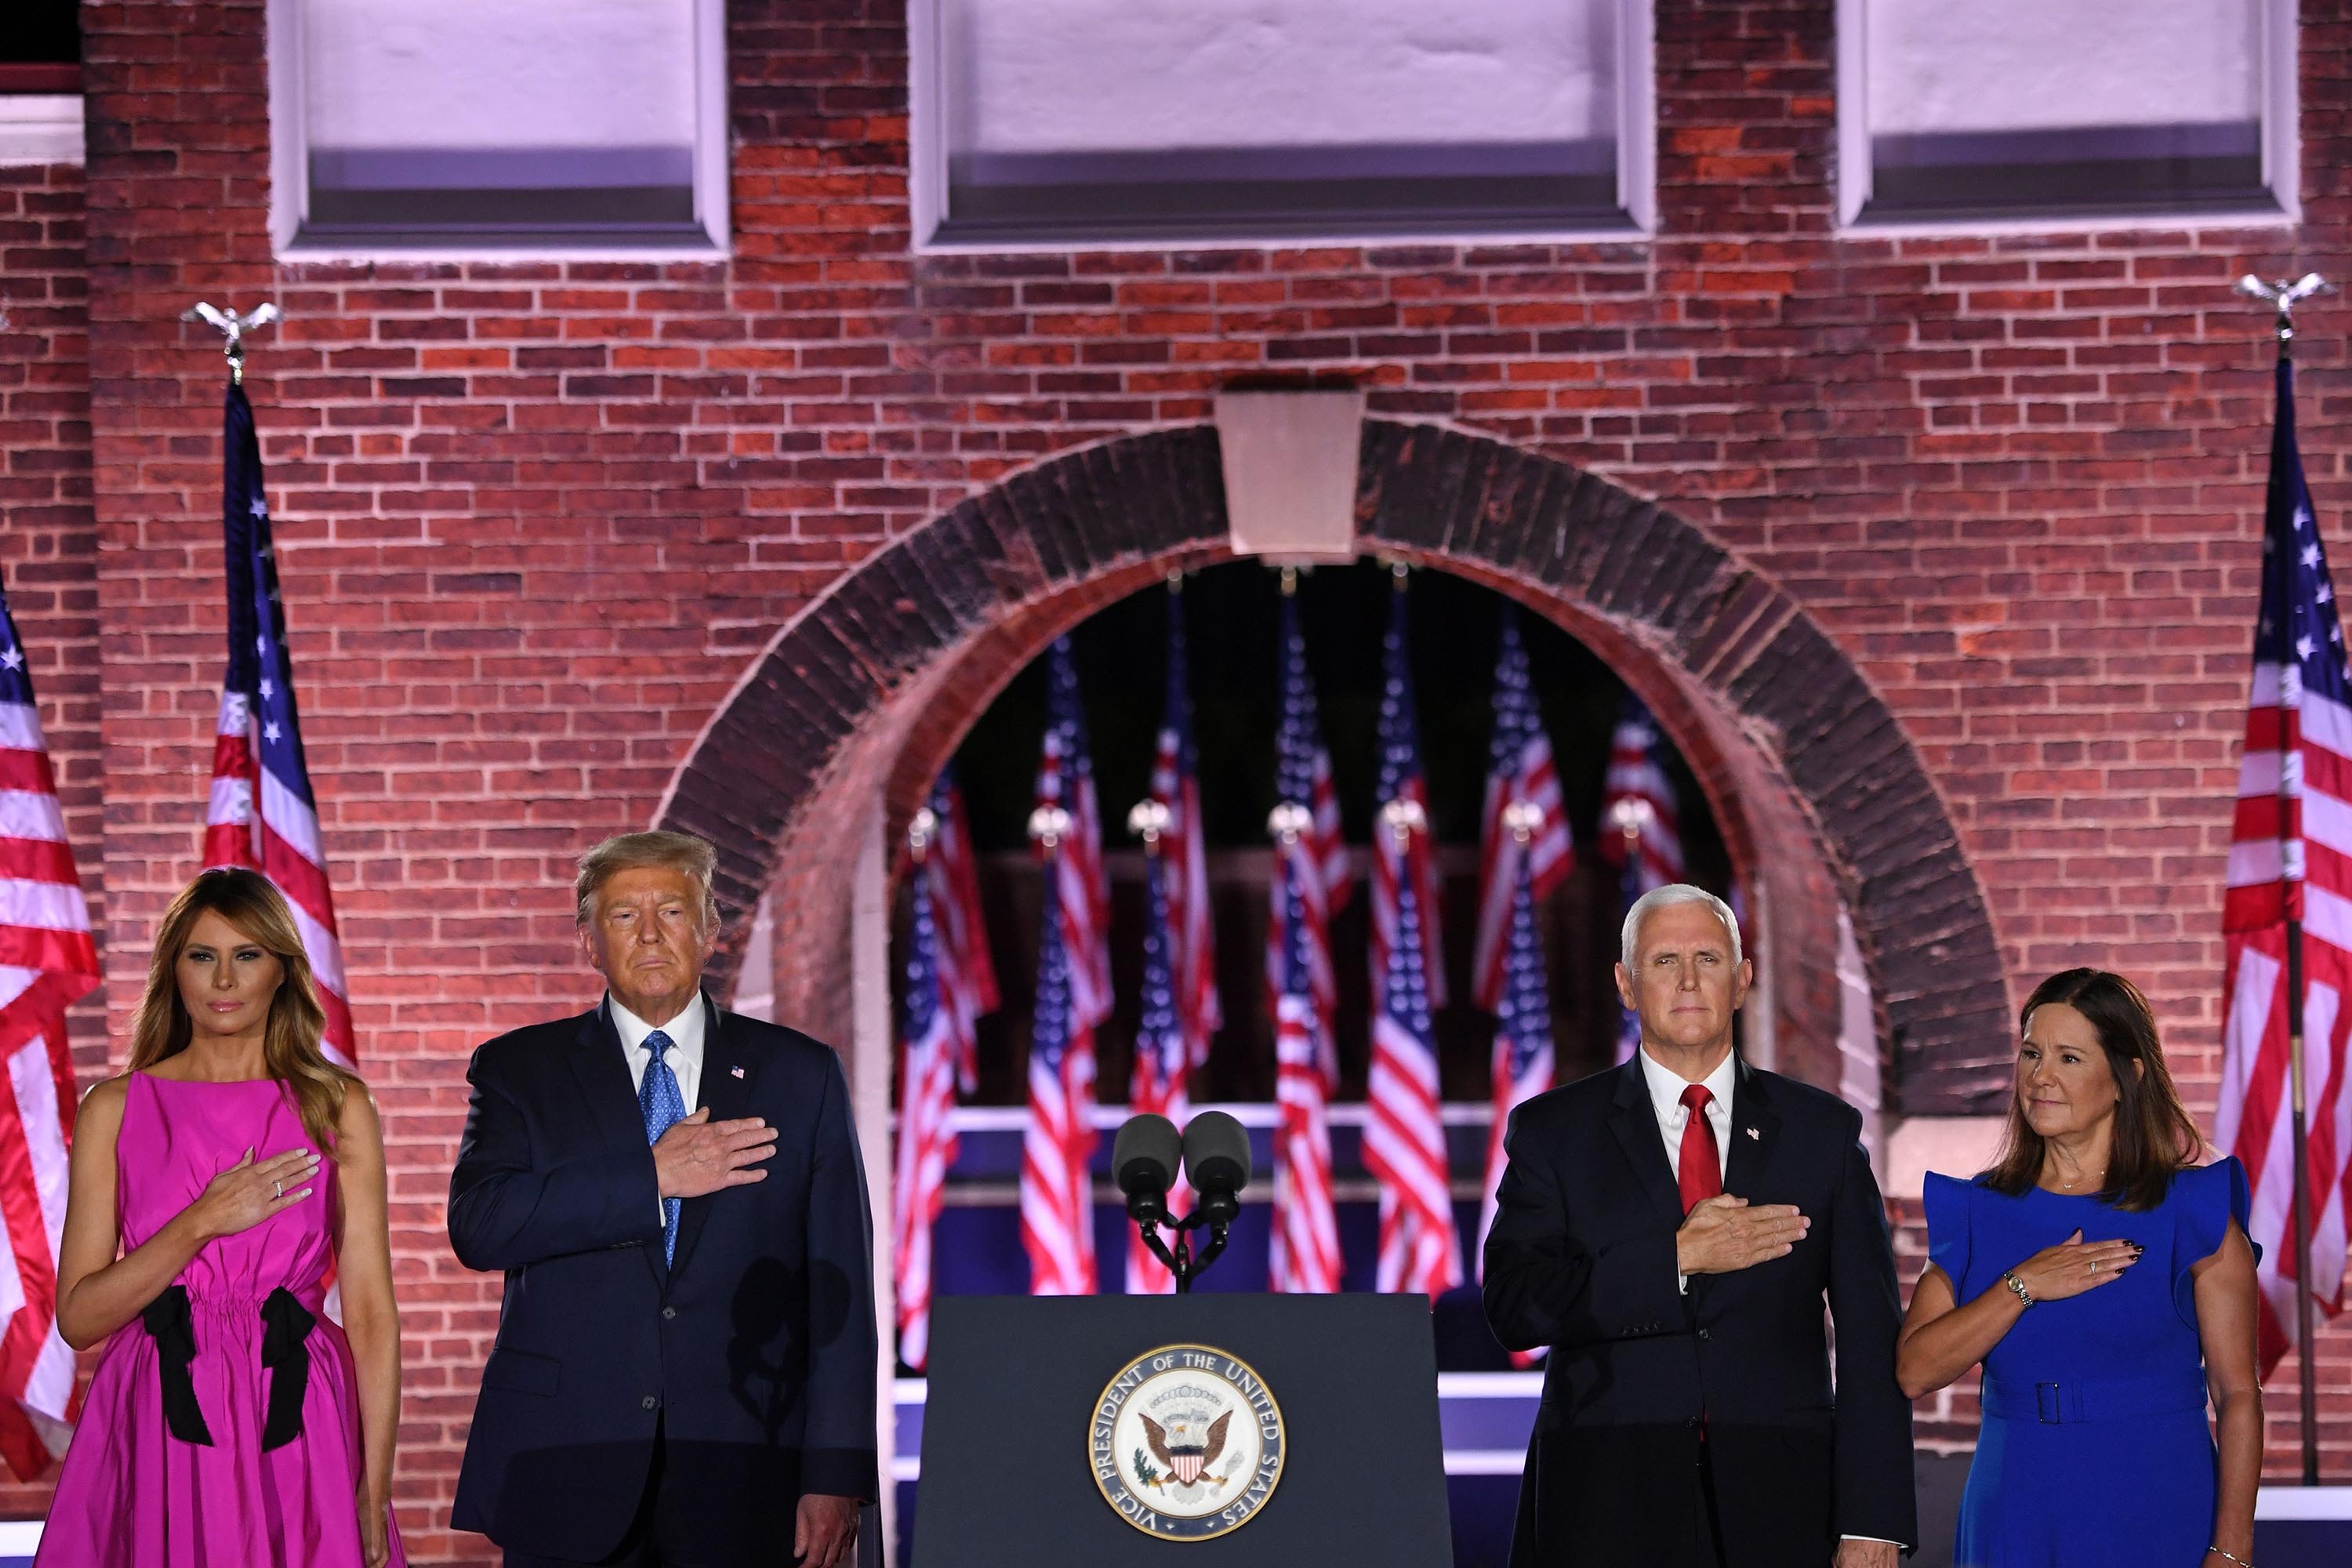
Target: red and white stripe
(1524, 773)
(927, 1148)
(1199, 1012)
(1058, 1141)
(253, 820)
(1306, 1242)
(2291, 841)
(1634, 773)
(47, 961)
(967, 972)
(1419, 862)
(1326, 883)
(1405, 1150)
(1077, 867)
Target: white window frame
(928, 153)
(40, 128)
(289, 162)
(2282, 149)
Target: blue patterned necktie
(662, 1106)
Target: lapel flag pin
(737, 1072)
(1751, 1131)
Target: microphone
(1143, 1159)
(1217, 1159)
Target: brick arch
(1823, 801)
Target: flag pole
(2283, 296)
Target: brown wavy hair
(2155, 1139)
(290, 1040)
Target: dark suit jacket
(1581, 1258)
(754, 1352)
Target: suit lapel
(726, 1092)
(1755, 1128)
(601, 1068)
(1635, 1123)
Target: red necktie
(1701, 1173)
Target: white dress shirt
(684, 1056)
(1666, 1088)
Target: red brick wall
(535, 520)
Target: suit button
(649, 1402)
(669, 1312)
(1702, 1334)
(1691, 1421)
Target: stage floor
(1484, 1418)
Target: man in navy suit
(685, 1371)
(1674, 1229)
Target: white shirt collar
(1666, 1088)
(685, 1031)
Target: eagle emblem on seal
(1185, 1446)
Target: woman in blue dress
(2106, 1281)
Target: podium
(1197, 1431)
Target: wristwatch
(2014, 1283)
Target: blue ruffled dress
(2096, 1451)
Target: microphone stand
(1214, 1213)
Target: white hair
(1676, 893)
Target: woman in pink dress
(230, 1424)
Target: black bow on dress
(174, 1333)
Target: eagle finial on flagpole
(2283, 295)
(233, 327)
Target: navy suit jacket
(1581, 1258)
(754, 1354)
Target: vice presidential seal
(1186, 1443)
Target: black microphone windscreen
(1216, 1153)
(1143, 1157)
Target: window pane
(41, 48)
(449, 118)
(1073, 119)
(2068, 106)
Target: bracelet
(2217, 1552)
(2014, 1283)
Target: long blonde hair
(290, 1046)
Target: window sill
(1882, 223)
(323, 243)
(954, 235)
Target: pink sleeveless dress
(135, 1492)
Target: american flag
(1176, 785)
(262, 814)
(1157, 1081)
(1306, 1243)
(1066, 779)
(928, 1056)
(1518, 770)
(967, 973)
(1637, 791)
(1404, 1142)
(1056, 1191)
(1523, 1062)
(1304, 778)
(1403, 787)
(47, 961)
(1637, 773)
(2290, 859)
(1305, 1257)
